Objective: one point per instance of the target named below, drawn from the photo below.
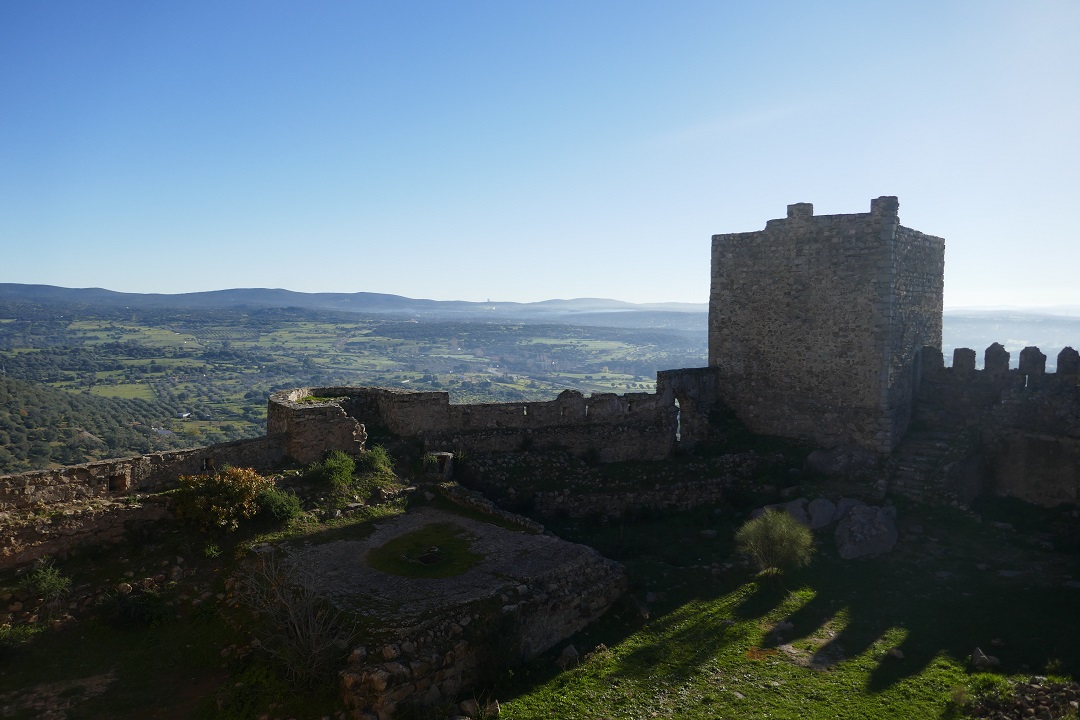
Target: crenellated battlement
(997, 361)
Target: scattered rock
(896, 653)
(568, 657)
(982, 661)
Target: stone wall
(634, 426)
(814, 323)
(75, 526)
(434, 661)
(312, 428)
(1022, 425)
(141, 473)
(697, 392)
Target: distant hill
(1015, 329)
(580, 311)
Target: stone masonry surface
(815, 323)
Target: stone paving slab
(341, 571)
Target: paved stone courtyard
(340, 569)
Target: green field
(221, 366)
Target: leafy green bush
(352, 478)
(222, 500)
(375, 460)
(278, 505)
(338, 471)
(776, 541)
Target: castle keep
(816, 323)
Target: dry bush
(298, 626)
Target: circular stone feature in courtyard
(438, 550)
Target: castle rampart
(815, 323)
(1024, 423)
(106, 479)
(634, 426)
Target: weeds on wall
(353, 478)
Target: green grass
(710, 650)
(438, 550)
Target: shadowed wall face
(815, 323)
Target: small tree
(299, 627)
(776, 541)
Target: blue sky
(527, 150)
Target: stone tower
(816, 323)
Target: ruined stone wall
(69, 528)
(697, 391)
(1023, 424)
(436, 661)
(313, 428)
(814, 323)
(635, 426)
(141, 473)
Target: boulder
(843, 505)
(982, 661)
(821, 512)
(797, 509)
(866, 531)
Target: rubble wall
(634, 426)
(433, 662)
(141, 473)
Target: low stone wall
(476, 501)
(679, 496)
(556, 483)
(436, 661)
(142, 473)
(59, 533)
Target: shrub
(337, 471)
(776, 541)
(47, 582)
(139, 608)
(299, 628)
(222, 500)
(375, 460)
(349, 477)
(278, 505)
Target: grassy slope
(711, 649)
